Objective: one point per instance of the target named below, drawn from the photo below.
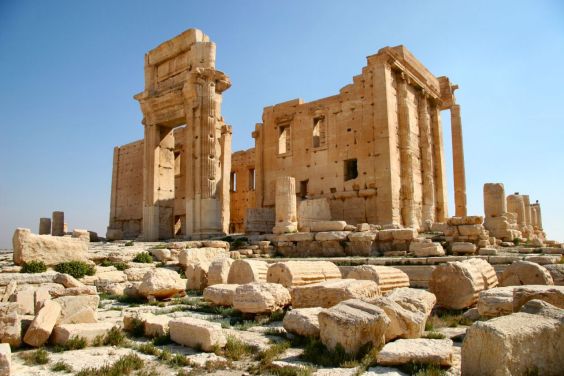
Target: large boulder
(456, 284)
(303, 321)
(386, 277)
(218, 271)
(90, 332)
(247, 271)
(404, 323)
(352, 324)
(161, 283)
(417, 351)
(516, 344)
(197, 333)
(298, 273)
(52, 250)
(413, 299)
(550, 294)
(496, 302)
(329, 293)
(10, 324)
(260, 297)
(525, 273)
(42, 325)
(221, 295)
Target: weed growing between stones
(39, 356)
(33, 267)
(123, 366)
(143, 257)
(61, 366)
(77, 269)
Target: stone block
(515, 344)
(425, 249)
(329, 293)
(75, 307)
(331, 235)
(83, 235)
(525, 273)
(386, 277)
(456, 284)
(413, 299)
(352, 324)
(404, 323)
(557, 273)
(470, 230)
(42, 325)
(63, 333)
(298, 273)
(220, 294)
(303, 321)
(10, 324)
(463, 248)
(197, 333)
(52, 250)
(260, 297)
(201, 254)
(417, 351)
(67, 280)
(296, 237)
(404, 234)
(247, 271)
(196, 273)
(486, 270)
(156, 325)
(496, 302)
(5, 359)
(218, 271)
(161, 283)
(550, 294)
(321, 226)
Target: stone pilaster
(427, 168)
(458, 162)
(286, 205)
(441, 204)
(58, 223)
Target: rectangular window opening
(351, 169)
(252, 181)
(284, 138)
(233, 182)
(319, 132)
(303, 189)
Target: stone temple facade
(373, 153)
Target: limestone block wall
(242, 187)
(126, 209)
(366, 149)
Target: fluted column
(439, 165)
(406, 158)
(458, 162)
(286, 205)
(428, 178)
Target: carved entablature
(447, 93)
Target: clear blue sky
(69, 70)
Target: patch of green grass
(148, 348)
(235, 349)
(137, 328)
(143, 257)
(162, 340)
(179, 360)
(291, 371)
(266, 357)
(423, 370)
(75, 343)
(36, 357)
(315, 352)
(214, 365)
(275, 332)
(123, 366)
(114, 337)
(33, 267)
(434, 335)
(160, 246)
(165, 355)
(61, 366)
(118, 265)
(442, 318)
(77, 269)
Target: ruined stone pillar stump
(494, 200)
(44, 226)
(58, 223)
(286, 207)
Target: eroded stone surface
(456, 284)
(386, 277)
(260, 297)
(221, 294)
(525, 273)
(52, 250)
(303, 321)
(196, 333)
(329, 293)
(161, 283)
(298, 273)
(418, 351)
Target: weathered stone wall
(366, 149)
(242, 187)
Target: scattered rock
(247, 271)
(260, 297)
(496, 302)
(197, 275)
(67, 280)
(329, 293)
(63, 333)
(414, 299)
(403, 323)
(221, 294)
(488, 272)
(417, 351)
(74, 308)
(386, 277)
(303, 321)
(426, 249)
(5, 359)
(197, 333)
(52, 250)
(161, 283)
(557, 273)
(10, 324)
(42, 325)
(156, 325)
(456, 284)
(463, 248)
(540, 307)
(208, 254)
(550, 294)
(298, 273)
(525, 273)
(218, 271)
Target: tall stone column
(441, 205)
(408, 214)
(527, 202)
(516, 204)
(58, 223)
(494, 200)
(204, 187)
(158, 183)
(44, 226)
(286, 205)
(428, 175)
(458, 162)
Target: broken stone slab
(331, 235)
(352, 324)
(10, 289)
(303, 321)
(42, 325)
(260, 297)
(135, 274)
(466, 220)
(540, 307)
(200, 254)
(496, 302)
(383, 371)
(218, 272)
(196, 273)
(197, 333)
(220, 294)
(52, 250)
(556, 272)
(247, 271)
(298, 273)
(417, 351)
(488, 272)
(329, 293)
(525, 273)
(10, 324)
(74, 291)
(215, 244)
(161, 254)
(296, 237)
(75, 307)
(515, 344)
(404, 323)
(67, 280)
(426, 249)
(40, 297)
(63, 333)
(5, 359)
(320, 226)
(25, 300)
(161, 283)
(25, 278)
(456, 284)
(463, 248)
(364, 236)
(156, 325)
(487, 251)
(413, 299)
(81, 234)
(386, 277)
(550, 294)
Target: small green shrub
(162, 340)
(434, 335)
(124, 366)
(75, 343)
(129, 243)
(114, 337)
(235, 349)
(61, 366)
(143, 257)
(137, 328)
(516, 241)
(39, 356)
(148, 348)
(118, 265)
(33, 267)
(77, 269)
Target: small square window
(351, 169)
